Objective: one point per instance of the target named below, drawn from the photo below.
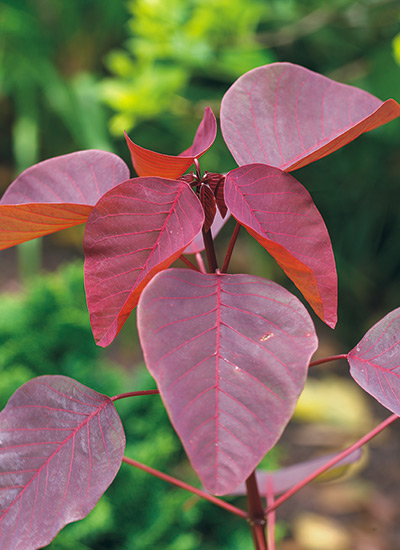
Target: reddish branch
(256, 517)
(169, 479)
(134, 394)
(328, 359)
(332, 462)
(231, 247)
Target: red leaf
(56, 194)
(207, 200)
(150, 163)
(287, 116)
(197, 245)
(280, 214)
(61, 446)
(375, 362)
(135, 230)
(286, 478)
(216, 182)
(230, 356)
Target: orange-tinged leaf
(151, 163)
(56, 194)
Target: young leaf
(230, 355)
(281, 215)
(286, 478)
(207, 200)
(150, 163)
(135, 230)
(61, 446)
(56, 194)
(287, 116)
(375, 361)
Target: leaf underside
(375, 361)
(61, 446)
(281, 215)
(230, 356)
(151, 163)
(285, 478)
(135, 230)
(287, 116)
(56, 194)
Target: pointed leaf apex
(151, 163)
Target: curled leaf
(150, 163)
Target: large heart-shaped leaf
(56, 194)
(135, 230)
(61, 446)
(150, 163)
(280, 213)
(375, 361)
(287, 116)
(230, 356)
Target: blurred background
(74, 75)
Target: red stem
(183, 485)
(188, 263)
(230, 248)
(199, 260)
(256, 517)
(332, 462)
(210, 251)
(134, 394)
(328, 359)
(271, 517)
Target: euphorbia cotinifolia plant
(229, 352)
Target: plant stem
(332, 462)
(230, 247)
(219, 502)
(134, 394)
(188, 263)
(256, 515)
(210, 251)
(271, 516)
(328, 359)
(200, 262)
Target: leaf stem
(169, 479)
(200, 262)
(230, 247)
(332, 462)
(328, 359)
(271, 517)
(188, 263)
(210, 251)
(256, 516)
(134, 394)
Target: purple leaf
(56, 194)
(150, 163)
(230, 355)
(281, 215)
(286, 478)
(135, 230)
(197, 245)
(375, 361)
(61, 446)
(287, 116)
